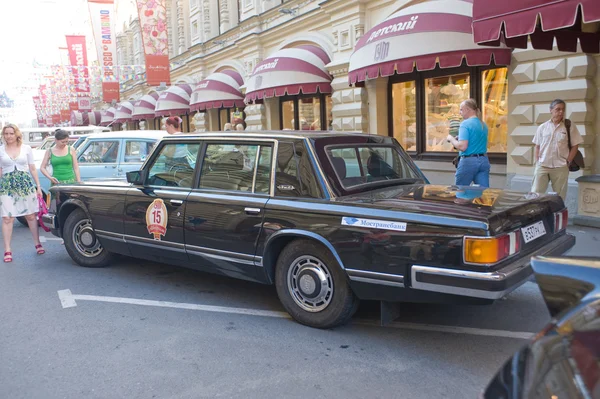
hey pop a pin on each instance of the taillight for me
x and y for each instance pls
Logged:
(490, 250)
(561, 219)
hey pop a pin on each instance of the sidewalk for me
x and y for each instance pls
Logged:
(588, 241)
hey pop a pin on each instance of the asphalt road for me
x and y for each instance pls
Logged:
(147, 330)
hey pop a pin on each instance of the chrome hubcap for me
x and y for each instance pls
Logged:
(310, 283)
(85, 240)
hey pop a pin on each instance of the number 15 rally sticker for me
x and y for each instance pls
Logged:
(156, 218)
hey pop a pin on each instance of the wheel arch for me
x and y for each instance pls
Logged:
(66, 209)
(280, 240)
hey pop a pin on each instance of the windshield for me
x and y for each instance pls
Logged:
(47, 144)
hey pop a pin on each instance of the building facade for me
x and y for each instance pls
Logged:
(212, 42)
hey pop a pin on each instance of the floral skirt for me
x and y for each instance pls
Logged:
(17, 195)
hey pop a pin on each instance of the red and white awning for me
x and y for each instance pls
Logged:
(123, 112)
(79, 118)
(422, 36)
(540, 20)
(145, 107)
(218, 90)
(290, 71)
(108, 116)
(174, 101)
(95, 118)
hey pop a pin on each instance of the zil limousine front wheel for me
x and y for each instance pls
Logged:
(312, 286)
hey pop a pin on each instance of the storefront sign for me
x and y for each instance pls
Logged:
(103, 24)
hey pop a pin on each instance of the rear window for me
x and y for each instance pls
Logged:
(359, 165)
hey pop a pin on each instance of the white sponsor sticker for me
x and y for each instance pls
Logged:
(373, 224)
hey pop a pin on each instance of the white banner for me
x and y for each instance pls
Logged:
(102, 15)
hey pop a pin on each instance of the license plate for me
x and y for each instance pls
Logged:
(533, 231)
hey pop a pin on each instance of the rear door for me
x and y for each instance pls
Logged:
(99, 158)
(154, 213)
(225, 211)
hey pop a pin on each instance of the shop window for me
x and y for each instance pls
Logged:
(405, 114)
(306, 112)
(425, 109)
(230, 115)
(443, 96)
(495, 107)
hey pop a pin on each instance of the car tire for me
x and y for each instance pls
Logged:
(81, 242)
(312, 286)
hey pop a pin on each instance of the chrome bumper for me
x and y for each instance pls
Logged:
(49, 220)
(487, 285)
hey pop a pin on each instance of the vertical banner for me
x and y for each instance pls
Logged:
(103, 23)
(79, 64)
(153, 21)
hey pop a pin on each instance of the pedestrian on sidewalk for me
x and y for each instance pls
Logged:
(552, 154)
(473, 163)
(63, 158)
(18, 193)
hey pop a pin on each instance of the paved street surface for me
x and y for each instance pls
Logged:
(146, 330)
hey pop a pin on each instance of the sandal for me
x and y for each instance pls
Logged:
(7, 257)
(39, 249)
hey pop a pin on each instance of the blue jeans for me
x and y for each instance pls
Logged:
(473, 170)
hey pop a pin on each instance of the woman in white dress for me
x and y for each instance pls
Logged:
(18, 193)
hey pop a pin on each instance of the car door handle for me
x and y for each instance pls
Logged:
(252, 211)
(176, 202)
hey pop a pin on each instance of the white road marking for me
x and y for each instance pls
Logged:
(44, 239)
(67, 299)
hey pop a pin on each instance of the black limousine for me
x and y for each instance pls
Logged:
(329, 218)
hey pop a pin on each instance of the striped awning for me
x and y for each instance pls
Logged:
(422, 36)
(123, 112)
(542, 21)
(79, 118)
(108, 117)
(174, 101)
(144, 108)
(95, 118)
(218, 90)
(290, 71)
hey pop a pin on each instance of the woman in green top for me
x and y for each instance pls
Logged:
(63, 159)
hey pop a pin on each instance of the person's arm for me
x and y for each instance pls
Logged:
(460, 145)
(572, 154)
(537, 153)
(44, 166)
(75, 165)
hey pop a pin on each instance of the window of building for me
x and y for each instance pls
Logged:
(425, 108)
(195, 28)
(306, 112)
(230, 115)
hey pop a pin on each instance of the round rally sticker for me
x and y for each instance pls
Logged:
(156, 218)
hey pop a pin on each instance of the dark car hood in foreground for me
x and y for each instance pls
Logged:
(563, 360)
(502, 209)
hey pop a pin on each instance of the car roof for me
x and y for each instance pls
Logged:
(128, 134)
(293, 134)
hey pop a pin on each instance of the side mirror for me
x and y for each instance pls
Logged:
(137, 177)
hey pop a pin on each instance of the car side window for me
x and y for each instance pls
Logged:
(294, 175)
(100, 151)
(174, 166)
(137, 151)
(233, 166)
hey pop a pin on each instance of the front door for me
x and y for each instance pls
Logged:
(100, 158)
(225, 212)
(154, 213)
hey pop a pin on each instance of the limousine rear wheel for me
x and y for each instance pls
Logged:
(312, 286)
(81, 241)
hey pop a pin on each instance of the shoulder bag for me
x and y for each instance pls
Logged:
(577, 162)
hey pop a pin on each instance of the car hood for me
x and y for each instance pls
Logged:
(501, 209)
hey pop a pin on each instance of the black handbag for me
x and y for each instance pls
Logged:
(577, 162)
(455, 161)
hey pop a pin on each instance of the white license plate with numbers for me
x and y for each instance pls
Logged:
(533, 231)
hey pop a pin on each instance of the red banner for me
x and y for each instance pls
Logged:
(79, 62)
(65, 115)
(153, 21)
(110, 91)
(73, 106)
(56, 119)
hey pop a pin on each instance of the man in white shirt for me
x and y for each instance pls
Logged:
(552, 154)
